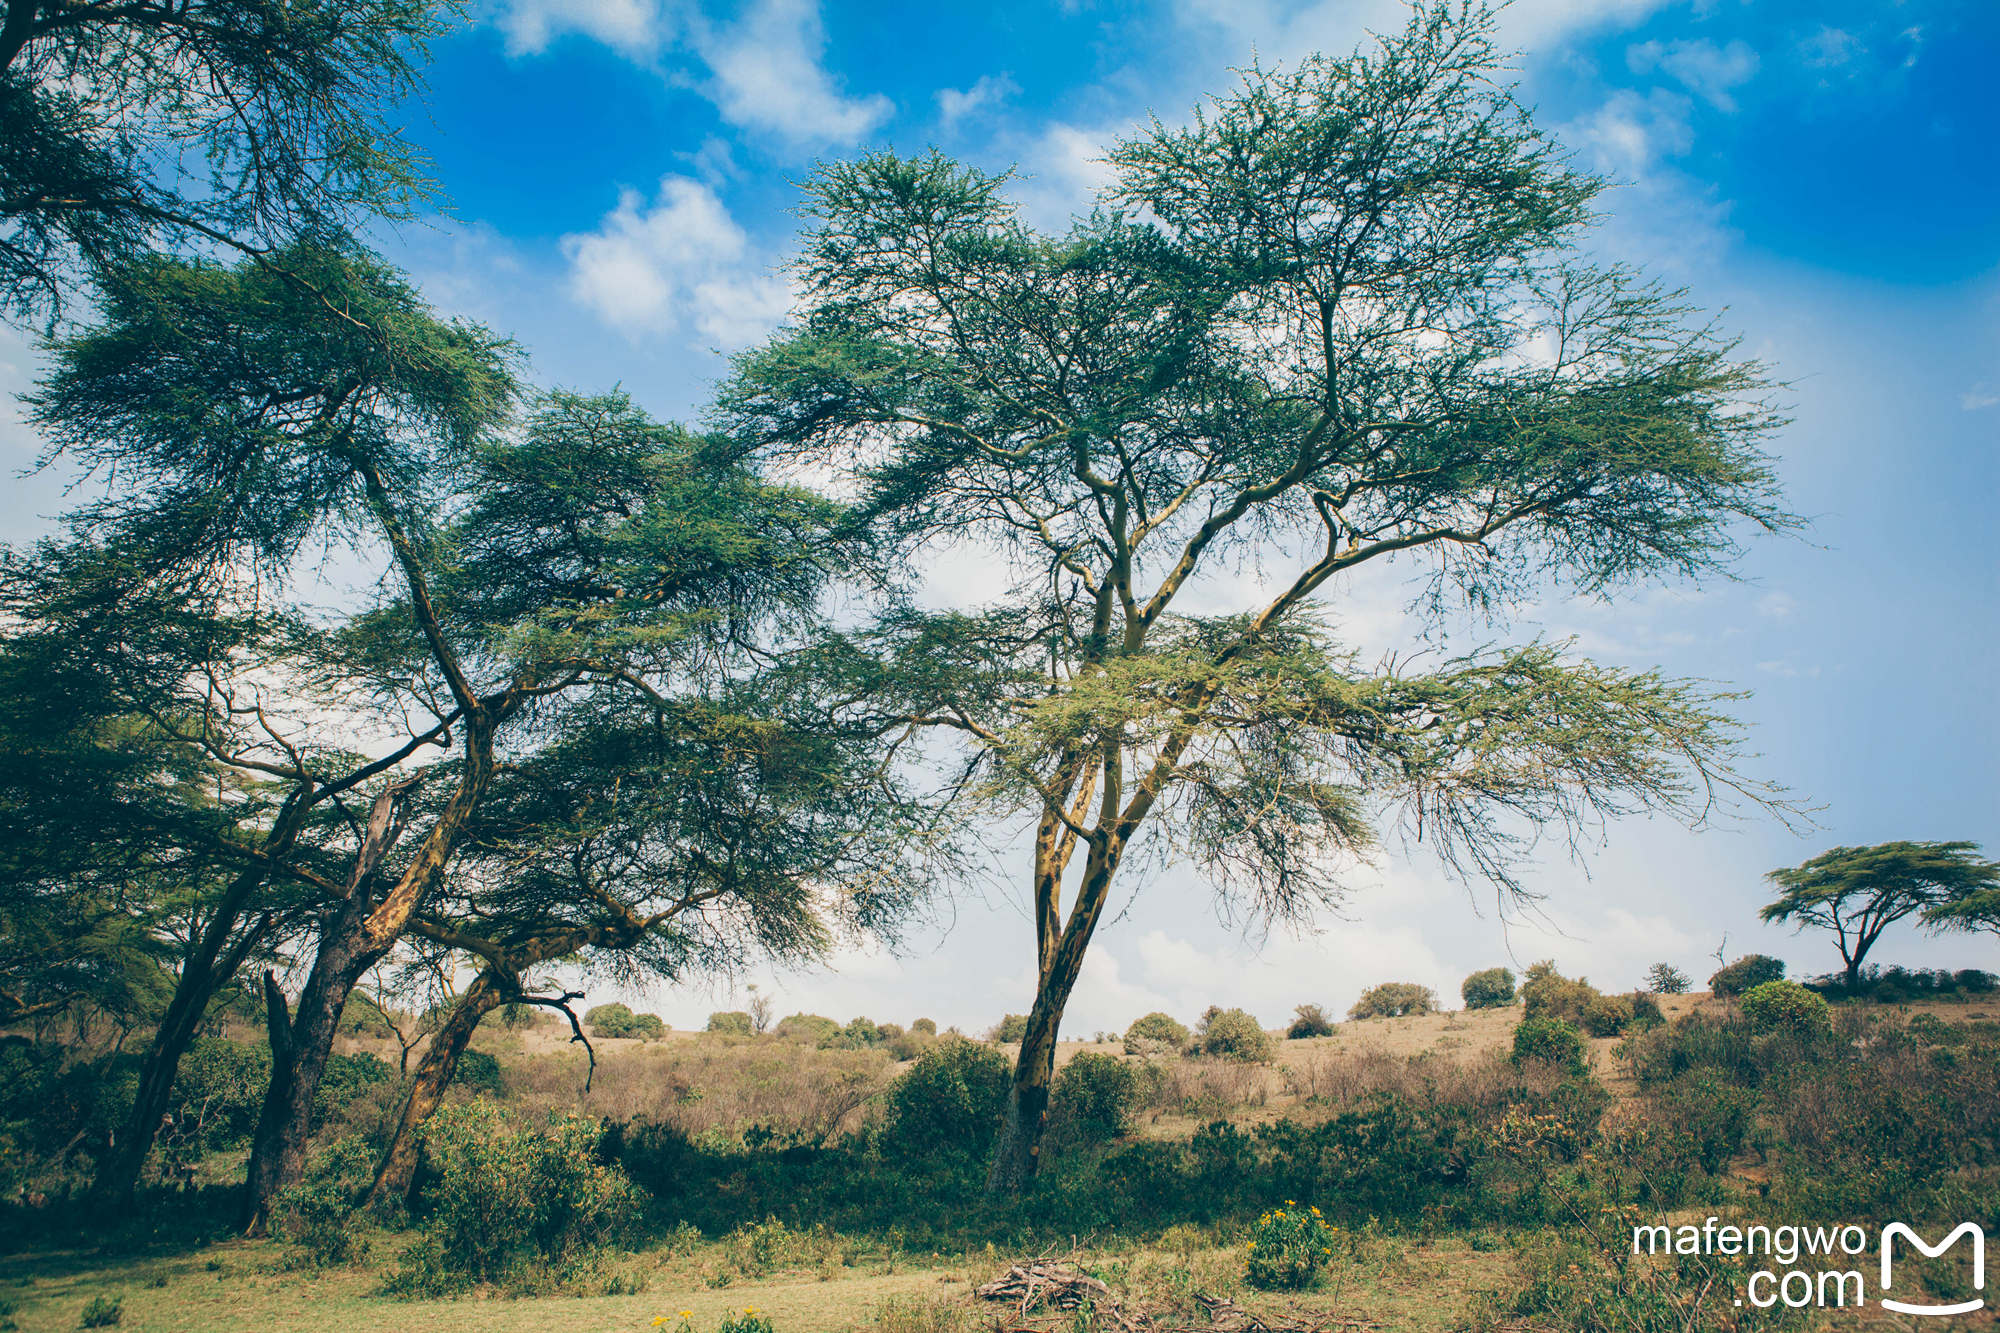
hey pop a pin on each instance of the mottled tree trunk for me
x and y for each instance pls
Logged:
(434, 1072)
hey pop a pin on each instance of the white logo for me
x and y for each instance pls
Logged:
(1972, 1229)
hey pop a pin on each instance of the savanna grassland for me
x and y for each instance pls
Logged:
(1457, 1184)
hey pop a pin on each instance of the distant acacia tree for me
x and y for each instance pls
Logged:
(1342, 316)
(1859, 892)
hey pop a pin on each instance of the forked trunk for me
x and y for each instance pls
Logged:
(434, 1072)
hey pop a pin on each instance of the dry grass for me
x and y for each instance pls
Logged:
(716, 1084)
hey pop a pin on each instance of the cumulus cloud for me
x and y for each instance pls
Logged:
(679, 262)
(1705, 69)
(991, 90)
(634, 28)
(767, 76)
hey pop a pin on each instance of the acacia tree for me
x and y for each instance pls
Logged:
(1859, 892)
(1340, 317)
(239, 122)
(246, 420)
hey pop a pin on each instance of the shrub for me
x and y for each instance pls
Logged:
(1786, 1004)
(863, 1032)
(508, 1197)
(909, 1045)
(102, 1313)
(1309, 1020)
(479, 1072)
(1549, 1040)
(1645, 1011)
(1607, 1015)
(1394, 999)
(815, 1029)
(1011, 1028)
(1231, 1034)
(734, 1023)
(317, 1216)
(890, 1032)
(1547, 993)
(1155, 1034)
(1747, 972)
(1095, 1095)
(927, 1026)
(1491, 989)
(608, 1020)
(1287, 1247)
(951, 1099)
(1666, 979)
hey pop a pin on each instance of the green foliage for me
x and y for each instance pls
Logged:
(1750, 970)
(608, 1020)
(1858, 892)
(480, 1072)
(1646, 1011)
(1095, 1096)
(1155, 1034)
(510, 1196)
(1785, 1004)
(926, 1026)
(1666, 979)
(950, 1101)
(1547, 993)
(1394, 999)
(863, 1032)
(734, 1023)
(1231, 1034)
(746, 1320)
(1309, 1020)
(316, 1217)
(1490, 989)
(814, 1029)
(1551, 1041)
(1608, 1015)
(615, 1020)
(102, 1312)
(1288, 1246)
(1011, 1028)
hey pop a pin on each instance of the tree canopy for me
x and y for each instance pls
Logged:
(1339, 318)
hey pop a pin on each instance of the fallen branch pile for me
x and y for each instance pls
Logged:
(1058, 1286)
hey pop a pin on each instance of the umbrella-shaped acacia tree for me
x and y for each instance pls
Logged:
(1341, 316)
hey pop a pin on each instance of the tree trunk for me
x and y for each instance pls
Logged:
(1018, 1155)
(202, 975)
(434, 1071)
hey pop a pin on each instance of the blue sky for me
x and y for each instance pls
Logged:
(1826, 175)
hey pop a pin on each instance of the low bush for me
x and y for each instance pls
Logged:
(1785, 1004)
(1666, 979)
(102, 1312)
(927, 1026)
(1155, 1034)
(813, 1029)
(1309, 1020)
(1607, 1015)
(316, 1216)
(1750, 970)
(1231, 1034)
(1394, 999)
(1094, 1097)
(1547, 993)
(508, 1197)
(950, 1101)
(1551, 1041)
(863, 1032)
(1010, 1028)
(1288, 1246)
(1645, 1011)
(733, 1023)
(1490, 989)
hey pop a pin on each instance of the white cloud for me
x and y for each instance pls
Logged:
(1977, 397)
(768, 77)
(681, 262)
(1630, 134)
(990, 90)
(1788, 669)
(1829, 47)
(1704, 68)
(1777, 605)
(636, 29)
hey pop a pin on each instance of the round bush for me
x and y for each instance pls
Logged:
(1547, 993)
(609, 1020)
(1394, 999)
(1550, 1040)
(927, 1026)
(863, 1032)
(1155, 1034)
(735, 1023)
(1607, 1015)
(1095, 1095)
(1786, 1004)
(1309, 1020)
(1287, 1247)
(1010, 1028)
(1491, 989)
(951, 1099)
(1231, 1034)
(1745, 973)
(1645, 1011)
(813, 1029)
